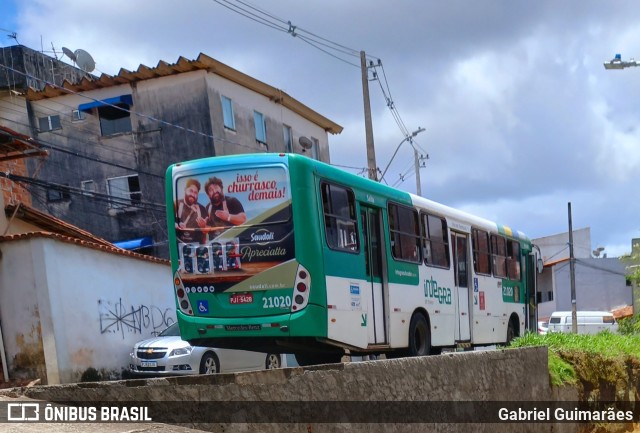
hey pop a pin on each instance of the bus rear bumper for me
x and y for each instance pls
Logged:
(229, 332)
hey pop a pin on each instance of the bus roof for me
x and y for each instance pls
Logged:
(356, 181)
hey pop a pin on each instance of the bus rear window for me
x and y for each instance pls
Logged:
(207, 204)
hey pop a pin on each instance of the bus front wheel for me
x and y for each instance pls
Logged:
(419, 336)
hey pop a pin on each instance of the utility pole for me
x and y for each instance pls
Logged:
(371, 151)
(572, 268)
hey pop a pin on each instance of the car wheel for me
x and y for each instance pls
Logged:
(209, 364)
(273, 361)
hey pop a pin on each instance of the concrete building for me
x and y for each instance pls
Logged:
(69, 300)
(110, 139)
(600, 282)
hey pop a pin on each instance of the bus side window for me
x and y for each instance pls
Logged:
(499, 255)
(338, 206)
(435, 241)
(481, 252)
(404, 233)
(513, 260)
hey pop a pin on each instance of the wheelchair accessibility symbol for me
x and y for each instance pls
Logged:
(203, 306)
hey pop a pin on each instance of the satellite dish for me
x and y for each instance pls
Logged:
(84, 60)
(305, 143)
(69, 53)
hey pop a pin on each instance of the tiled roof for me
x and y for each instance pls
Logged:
(55, 228)
(51, 224)
(14, 145)
(84, 243)
(555, 262)
(203, 62)
(622, 312)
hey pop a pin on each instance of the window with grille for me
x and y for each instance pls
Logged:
(114, 119)
(124, 191)
(49, 123)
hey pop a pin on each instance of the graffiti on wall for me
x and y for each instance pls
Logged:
(121, 318)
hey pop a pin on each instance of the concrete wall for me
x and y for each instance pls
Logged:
(600, 282)
(65, 308)
(245, 102)
(556, 247)
(600, 285)
(503, 376)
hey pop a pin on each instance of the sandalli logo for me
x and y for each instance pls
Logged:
(262, 236)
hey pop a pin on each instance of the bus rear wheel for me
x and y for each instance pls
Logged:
(419, 336)
(512, 331)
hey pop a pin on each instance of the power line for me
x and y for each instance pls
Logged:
(75, 126)
(107, 198)
(46, 144)
(270, 20)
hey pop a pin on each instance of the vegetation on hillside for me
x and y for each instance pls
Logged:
(589, 358)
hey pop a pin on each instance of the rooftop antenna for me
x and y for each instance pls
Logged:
(84, 60)
(67, 52)
(81, 59)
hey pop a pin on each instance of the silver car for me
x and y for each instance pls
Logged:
(168, 354)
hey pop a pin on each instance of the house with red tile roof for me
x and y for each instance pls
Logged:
(71, 301)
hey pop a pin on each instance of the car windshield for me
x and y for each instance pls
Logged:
(171, 331)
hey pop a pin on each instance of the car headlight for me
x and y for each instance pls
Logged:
(182, 351)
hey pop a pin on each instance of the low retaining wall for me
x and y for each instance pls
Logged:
(453, 392)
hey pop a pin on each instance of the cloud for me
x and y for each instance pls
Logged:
(520, 117)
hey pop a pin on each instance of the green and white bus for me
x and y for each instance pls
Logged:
(296, 256)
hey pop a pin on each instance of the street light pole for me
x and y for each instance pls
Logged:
(407, 138)
(416, 157)
(618, 63)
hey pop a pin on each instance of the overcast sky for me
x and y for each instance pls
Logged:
(520, 115)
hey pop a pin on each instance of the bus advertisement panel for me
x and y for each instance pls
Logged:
(231, 225)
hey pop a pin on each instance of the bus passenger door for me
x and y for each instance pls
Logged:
(459, 242)
(372, 248)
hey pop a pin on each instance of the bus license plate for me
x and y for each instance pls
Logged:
(246, 298)
(148, 364)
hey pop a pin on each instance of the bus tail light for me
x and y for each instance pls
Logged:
(301, 289)
(183, 299)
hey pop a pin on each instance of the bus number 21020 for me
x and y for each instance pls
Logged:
(276, 302)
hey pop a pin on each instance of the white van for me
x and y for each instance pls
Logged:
(589, 322)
